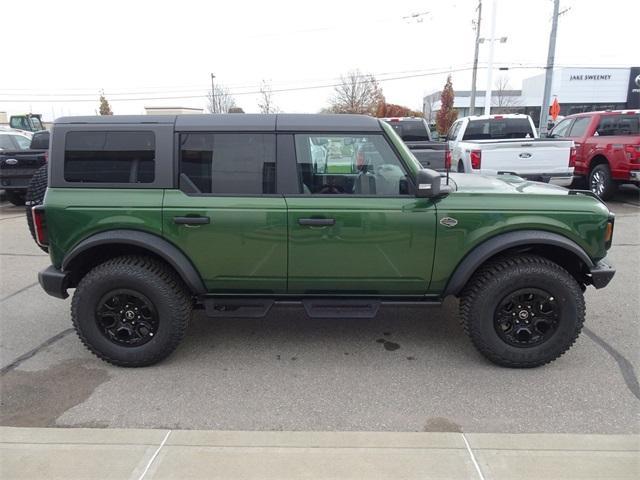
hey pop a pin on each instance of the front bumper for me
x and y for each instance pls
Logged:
(54, 282)
(601, 273)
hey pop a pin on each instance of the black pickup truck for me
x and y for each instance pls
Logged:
(415, 133)
(18, 166)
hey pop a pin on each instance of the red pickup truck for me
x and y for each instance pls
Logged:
(607, 148)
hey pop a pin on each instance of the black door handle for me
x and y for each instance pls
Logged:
(195, 220)
(317, 222)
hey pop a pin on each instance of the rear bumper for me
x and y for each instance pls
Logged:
(601, 273)
(560, 179)
(54, 282)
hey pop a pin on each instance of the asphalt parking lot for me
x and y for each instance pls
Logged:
(409, 369)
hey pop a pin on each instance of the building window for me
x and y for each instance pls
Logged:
(109, 157)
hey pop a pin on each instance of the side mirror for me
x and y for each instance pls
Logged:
(430, 184)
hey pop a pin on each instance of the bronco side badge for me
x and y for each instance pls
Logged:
(448, 221)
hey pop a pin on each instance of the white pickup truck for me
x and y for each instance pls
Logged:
(509, 144)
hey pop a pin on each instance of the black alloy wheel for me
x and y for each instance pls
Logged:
(527, 317)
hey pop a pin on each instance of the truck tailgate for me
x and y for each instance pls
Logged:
(526, 157)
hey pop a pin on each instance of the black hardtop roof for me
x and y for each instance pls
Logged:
(282, 122)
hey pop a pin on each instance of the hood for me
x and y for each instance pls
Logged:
(472, 183)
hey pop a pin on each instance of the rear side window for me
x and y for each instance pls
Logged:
(228, 163)
(109, 157)
(619, 125)
(579, 127)
(496, 128)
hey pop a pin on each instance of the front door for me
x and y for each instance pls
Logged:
(226, 215)
(356, 227)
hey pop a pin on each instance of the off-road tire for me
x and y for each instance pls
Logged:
(602, 171)
(502, 276)
(15, 198)
(35, 196)
(153, 279)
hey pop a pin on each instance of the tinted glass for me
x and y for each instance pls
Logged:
(109, 157)
(619, 125)
(579, 127)
(411, 130)
(229, 163)
(40, 141)
(349, 164)
(495, 128)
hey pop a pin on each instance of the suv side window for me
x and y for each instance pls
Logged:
(618, 125)
(228, 163)
(349, 164)
(109, 157)
(579, 127)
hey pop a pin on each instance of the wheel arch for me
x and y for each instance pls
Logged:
(598, 159)
(553, 246)
(102, 246)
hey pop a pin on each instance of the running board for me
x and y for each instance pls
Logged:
(247, 307)
(338, 308)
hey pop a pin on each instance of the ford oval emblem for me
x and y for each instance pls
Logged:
(525, 155)
(11, 161)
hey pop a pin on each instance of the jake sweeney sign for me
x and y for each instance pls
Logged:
(590, 76)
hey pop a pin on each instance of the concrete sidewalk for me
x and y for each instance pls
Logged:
(58, 453)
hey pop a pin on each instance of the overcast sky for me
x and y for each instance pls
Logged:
(57, 51)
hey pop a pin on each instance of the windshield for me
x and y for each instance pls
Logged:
(23, 142)
(407, 156)
(497, 128)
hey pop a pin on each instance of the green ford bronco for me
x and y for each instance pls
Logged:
(150, 217)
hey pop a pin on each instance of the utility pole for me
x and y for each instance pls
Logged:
(487, 94)
(213, 95)
(544, 110)
(474, 75)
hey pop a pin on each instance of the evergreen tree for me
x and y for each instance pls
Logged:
(105, 108)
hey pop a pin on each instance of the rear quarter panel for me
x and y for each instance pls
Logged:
(482, 216)
(73, 214)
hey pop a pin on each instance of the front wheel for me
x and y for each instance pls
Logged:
(131, 311)
(522, 311)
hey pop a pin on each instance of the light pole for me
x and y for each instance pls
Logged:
(472, 103)
(548, 76)
(213, 95)
(493, 39)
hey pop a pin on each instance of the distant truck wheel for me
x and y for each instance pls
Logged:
(601, 183)
(35, 196)
(15, 198)
(131, 311)
(460, 167)
(522, 311)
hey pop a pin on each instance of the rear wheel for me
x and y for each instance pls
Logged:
(522, 311)
(601, 183)
(131, 311)
(35, 196)
(15, 198)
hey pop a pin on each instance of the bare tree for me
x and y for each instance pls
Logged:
(503, 95)
(356, 93)
(266, 104)
(220, 100)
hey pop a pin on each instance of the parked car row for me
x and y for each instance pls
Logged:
(594, 150)
(20, 157)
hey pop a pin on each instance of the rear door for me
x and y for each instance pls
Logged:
(226, 215)
(356, 227)
(619, 138)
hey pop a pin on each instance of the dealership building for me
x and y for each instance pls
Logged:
(577, 90)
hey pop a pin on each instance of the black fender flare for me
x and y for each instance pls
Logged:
(147, 241)
(505, 241)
